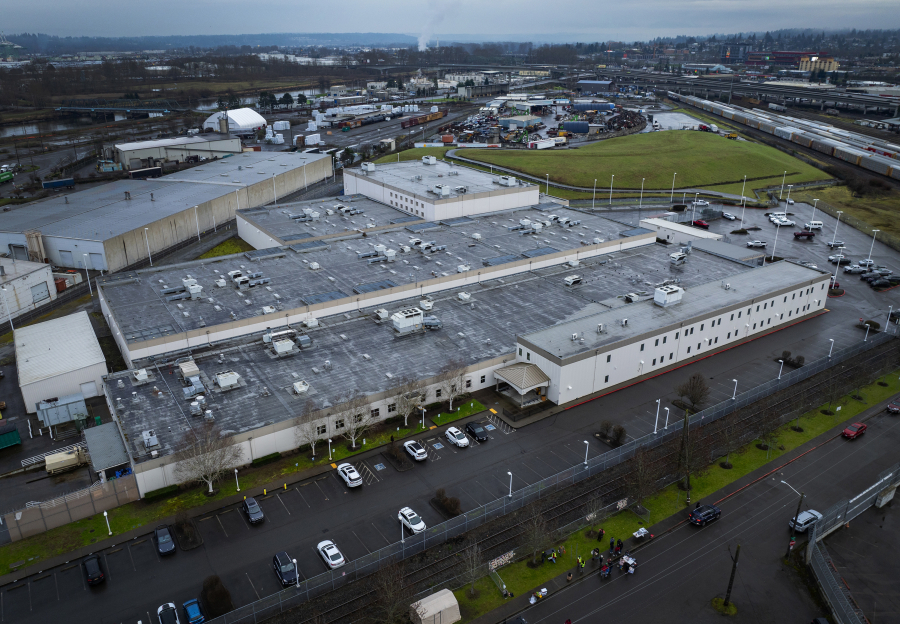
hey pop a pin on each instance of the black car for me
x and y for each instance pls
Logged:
(165, 545)
(253, 510)
(477, 431)
(285, 568)
(92, 571)
(703, 514)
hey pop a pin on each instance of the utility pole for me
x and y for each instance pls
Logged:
(737, 554)
(687, 465)
(787, 555)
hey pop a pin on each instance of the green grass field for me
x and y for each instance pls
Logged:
(415, 153)
(701, 160)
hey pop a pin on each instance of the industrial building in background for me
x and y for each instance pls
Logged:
(240, 121)
(24, 286)
(163, 152)
(110, 227)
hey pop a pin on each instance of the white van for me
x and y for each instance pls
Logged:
(813, 225)
(777, 215)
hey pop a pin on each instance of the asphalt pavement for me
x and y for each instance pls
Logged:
(684, 568)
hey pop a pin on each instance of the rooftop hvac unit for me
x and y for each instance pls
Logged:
(188, 369)
(382, 314)
(599, 328)
(426, 304)
(195, 290)
(441, 189)
(631, 297)
(284, 345)
(379, 249)
(311, 322)
(404, 249)
(390, 254)
(407, 320)
(188, 281)
(624, 322)
(228, 380)
(525, 222)
(429, 160)
(476, 236)
(462, 190)
(150, 439)
(462, 268)
(677, 258)
(574, 263)
(507, 181)
(220, 283)
(140, 375)
(464, 296)
(572, 280)
(242, 282)
(314, 266)
(665, 296)
(537, 226)
(268, 309)
(304, 341)
(300, 387)
(196, 410)
(368, 166)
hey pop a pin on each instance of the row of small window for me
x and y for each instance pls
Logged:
(406, 199)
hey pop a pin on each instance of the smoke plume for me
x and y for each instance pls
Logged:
(436, 12)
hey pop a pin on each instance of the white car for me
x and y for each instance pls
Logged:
(785, 223)
(756, 243)
(790, 202)
(456, 437)
(349, 474)
(411, 520)
(805, 520)
(834, 244)
(168, 614)
(866, 262)
(416, 450)
(729, 216)
(701, 202)
(330, 554)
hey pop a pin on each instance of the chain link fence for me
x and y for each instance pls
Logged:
(354, 570)
(843, 606)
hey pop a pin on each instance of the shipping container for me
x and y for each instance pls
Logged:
(578, 127)
(64, 183)
(9, 436)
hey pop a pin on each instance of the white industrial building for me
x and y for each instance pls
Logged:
(59, 358)
(116, 225)
(241, 121)
(436, 190)
(154, 153)
(677, 233)
(26, 286)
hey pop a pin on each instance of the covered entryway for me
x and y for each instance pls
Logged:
(526, 380)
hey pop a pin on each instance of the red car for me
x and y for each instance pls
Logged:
(701, 224)
(854, 431)
(804, 234)
(894, 407)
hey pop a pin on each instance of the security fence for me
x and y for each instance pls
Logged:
(355, 570)
(843, 607)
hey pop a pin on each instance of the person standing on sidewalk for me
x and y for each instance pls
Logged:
(612, 545)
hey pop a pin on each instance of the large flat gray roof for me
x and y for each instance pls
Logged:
(645, 316)
(404, 176)
(140, 308)
(102, 212)
(481, 329)
(105, 445)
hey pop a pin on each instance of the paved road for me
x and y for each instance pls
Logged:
(681, 571)
(365, 520)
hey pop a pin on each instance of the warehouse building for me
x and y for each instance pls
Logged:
(436, 190)
(155, 153)
(240, 121)
(677, 233)
(116, 225)
(256, 386)
(59, 358)
(25, 286)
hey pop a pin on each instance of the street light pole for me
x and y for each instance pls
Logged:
(329, 449)
(510, 484)
(594, 199)
(790, 186)
(734, 394)
(87, 275)
(777, 227)
(641, 202)
(868, 327)
(667, 418)
(780, 368)
(587, 447)
(297, 573)
(744, 186)
(656, 422)
(815, 203)
(836, 225)
(887, 322)
(237, 483)
(831, 348)
(147, 239)
(672, 194)
(794, 523)
(548, 184)
(840, 256)
(782, 185)
(872, 248)
(197, 220)
(106, 517)
(610, 188)
(743, 208)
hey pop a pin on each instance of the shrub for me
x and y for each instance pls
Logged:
(266, 459)
(873, 324)
(786, 356)
(450, 504)
(215, 597)
(799, 361)
(605, 427)
(618, 434)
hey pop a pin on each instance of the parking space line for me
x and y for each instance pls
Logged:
(301, 497)
(30, 608)
(487, 490)
(380, 533)
(368, 476)
(222, 526)
(361, 542)
(282, 504)
(545, 463)
(540, 476)
(108, 574)
(321, 490)
(56, 582)
(252, 585)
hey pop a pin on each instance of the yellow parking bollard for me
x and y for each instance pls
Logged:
(285, 486)
(264, 491)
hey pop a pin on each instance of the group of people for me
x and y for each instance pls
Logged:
(615, 547)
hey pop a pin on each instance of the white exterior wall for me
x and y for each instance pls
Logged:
(63, 385)
(259, 324)
(280, 437)
(18, 295)
(677, 232)
(571, 381)
(254, 235)
(96, 260)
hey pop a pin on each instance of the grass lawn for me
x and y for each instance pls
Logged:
(519, 578)
(415, 153)
(89, 530)
(879, 210)
(701, 159)
(462, 410)
(233, 245)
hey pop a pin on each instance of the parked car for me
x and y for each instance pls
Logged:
(854, 431)
(253, 510)
(836, 243)
(165, 545)
(729, 216)
(866, 262)
(168, 614)
(756, 243)
(805, 520)
(701, 202)
(854, 269)
(703, 514)
(349, 474)
(416, 450)
(411, 520)
(330, 554)
(805, 234)
(456, 437)
(93, 573)
(700, 223)
(192, 612)
(790, 202)
(477, 431)
(785, 223)
(285, 569)
(894, 406)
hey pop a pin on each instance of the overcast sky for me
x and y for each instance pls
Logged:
(501, 19)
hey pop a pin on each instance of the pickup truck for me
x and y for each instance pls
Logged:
(756, 243)
(804, 234)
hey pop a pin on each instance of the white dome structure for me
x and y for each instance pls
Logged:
(240, 121)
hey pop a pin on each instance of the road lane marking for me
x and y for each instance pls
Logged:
(252, 585)
(222, 526)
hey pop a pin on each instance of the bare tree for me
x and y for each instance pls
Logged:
(408, 393)
(452, 380)
(204, 454)
(593, 511)
(473, 564)
(357, 417)
(393, 596)
(535, 533)
(695, 390)
(641, 481)
(306, 427)
(730, 435)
